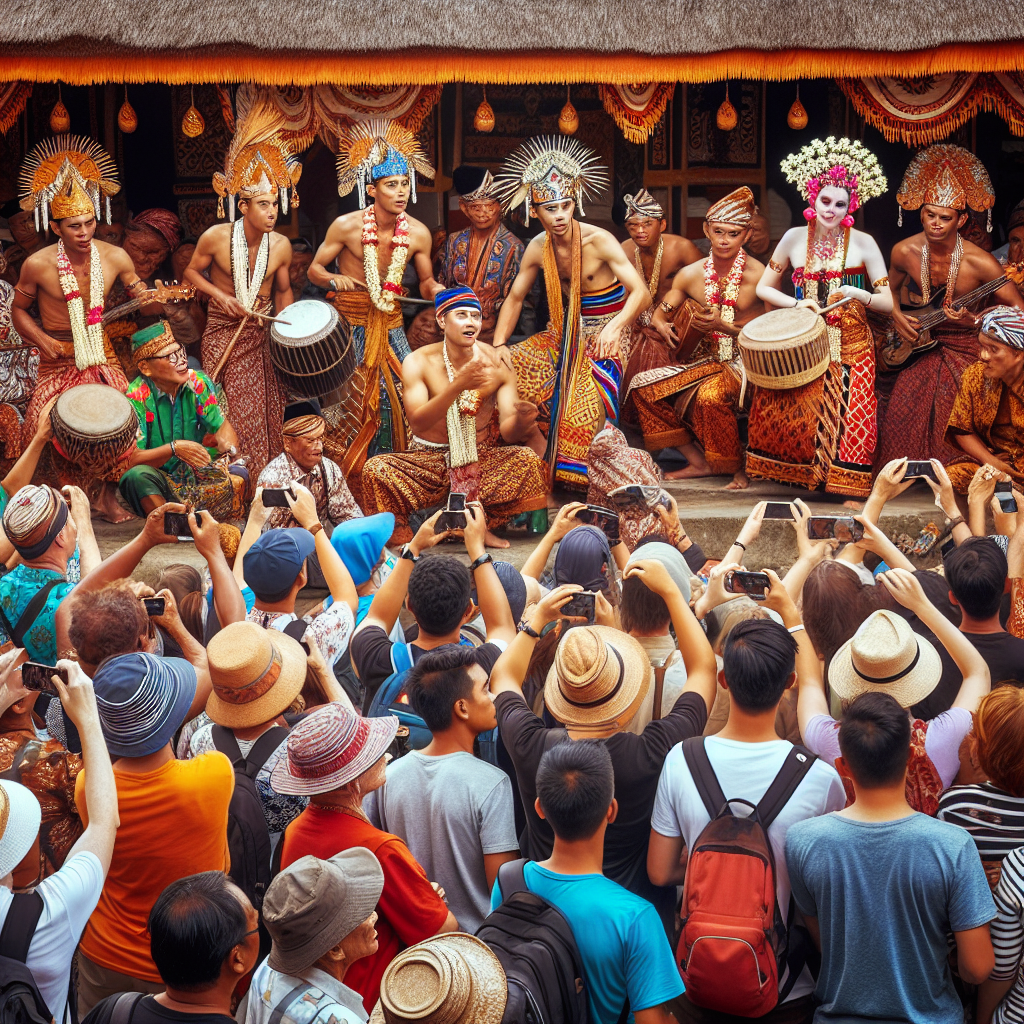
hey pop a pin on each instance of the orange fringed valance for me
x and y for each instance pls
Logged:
(13, 97)
(429, 68)
(636, 109)
(920, 111)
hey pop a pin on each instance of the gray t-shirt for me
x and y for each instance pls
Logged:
(449, 811)
(886, 894)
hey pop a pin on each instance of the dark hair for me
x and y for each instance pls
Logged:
(180, 579)
(106, 622)
(641, 608)
(190, 611)
(874, 738)
(976, 573)
(653, 538)
(834, 605)
(439, 592)
(758, 658)
(193, 926)
(437, 681)
(575, 787)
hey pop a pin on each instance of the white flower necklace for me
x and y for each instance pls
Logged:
(460, 420)
(382, 295)
(652, 285)
(724, 295)
(86, 328)
(247, 288)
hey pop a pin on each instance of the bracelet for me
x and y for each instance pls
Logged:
(174, 454)
(530, 631)
(667, 307)
(954, 523)
(739, 544)
(407, 553)
(482, 560)
(796, 628)
(316, 528)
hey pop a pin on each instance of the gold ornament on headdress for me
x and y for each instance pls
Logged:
(548, 169)
(126, 119)
(568, 119)
(735, 208)
(380, 148)
(948, 176)
(483, 119)
(67, 173)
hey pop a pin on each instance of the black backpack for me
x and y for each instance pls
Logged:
(20, 1000)
(248, 836)
(535, 945)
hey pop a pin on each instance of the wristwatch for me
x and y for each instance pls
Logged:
(530, 631)
(482, 560)
(407, 553)
(316, 528)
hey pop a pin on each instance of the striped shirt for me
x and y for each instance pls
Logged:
(994, 818)
(1008, 937)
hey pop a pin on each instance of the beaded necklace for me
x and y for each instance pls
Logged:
(954, 268)
(652, 284)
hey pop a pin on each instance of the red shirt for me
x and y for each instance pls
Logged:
(409, 910)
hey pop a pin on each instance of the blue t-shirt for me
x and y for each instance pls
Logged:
(620, 938)
(886, 894)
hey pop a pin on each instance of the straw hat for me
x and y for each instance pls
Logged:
(256, 674)
(20, 815)
(448, 979)
(599, 678)
(885, 656)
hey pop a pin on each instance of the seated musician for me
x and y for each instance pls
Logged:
(692, 406)
(182, 429)
(987, 422)
(458, 396)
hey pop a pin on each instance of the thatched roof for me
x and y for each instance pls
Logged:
(447, 38)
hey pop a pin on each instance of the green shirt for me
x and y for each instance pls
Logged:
(192, 414)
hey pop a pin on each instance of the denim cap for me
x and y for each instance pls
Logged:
(272, 564)
(581, 553)
(513, 584)
(360, 541)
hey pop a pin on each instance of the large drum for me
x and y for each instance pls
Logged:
(95, 428)
(313, 352)
(785, 348)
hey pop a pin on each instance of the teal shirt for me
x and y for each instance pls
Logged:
(192, 414)
(17, 588)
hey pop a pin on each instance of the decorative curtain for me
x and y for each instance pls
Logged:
(636, 108)
(13, 97)
(923, 110)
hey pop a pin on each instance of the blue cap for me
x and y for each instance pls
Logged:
(392, 165)
(513, 584)
(142, 700)
(272, 564)
(360, 541)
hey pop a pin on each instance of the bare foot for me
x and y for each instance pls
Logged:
(740, 481)
(106, 507)
(490, 541)
(855, 505)
(689, 472)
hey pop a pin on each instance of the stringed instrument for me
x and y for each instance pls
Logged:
(897, 353)
(166, 293)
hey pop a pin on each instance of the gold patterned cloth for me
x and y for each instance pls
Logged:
(992, 410)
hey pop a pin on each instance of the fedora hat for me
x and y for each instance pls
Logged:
(448, 979)
(599, 678)
(256, 674)
(885, 656)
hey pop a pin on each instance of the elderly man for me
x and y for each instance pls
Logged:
(987, 421)
(179, 415)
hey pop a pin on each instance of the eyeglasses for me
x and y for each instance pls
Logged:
(178, 357)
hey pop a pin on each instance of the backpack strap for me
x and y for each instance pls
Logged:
(512, 878)
(224, 740)
(20, 925)
(797, 764)
(289, 997)
(704, 777)
(401, 657)
(124, 1007)
(659, 689)
(227, 743)
(28, 616)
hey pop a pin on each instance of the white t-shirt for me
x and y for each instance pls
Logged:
(69, 898)
(745, 771)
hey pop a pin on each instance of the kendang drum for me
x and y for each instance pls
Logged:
(313, 352)
(785, 348)
(95, 427)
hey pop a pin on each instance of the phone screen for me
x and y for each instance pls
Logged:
(754, 584)
(778, 510)
(176, 525)
(919, 470)
(456, 502)
(584, 604)
(36, 677)
(154, 605)
(274, 497)
(1004, 494)
(842, 528)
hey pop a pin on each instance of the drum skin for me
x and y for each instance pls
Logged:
(784, 348)
(95, 427)
(313, 352)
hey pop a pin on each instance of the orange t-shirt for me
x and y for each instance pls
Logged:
(174, 822)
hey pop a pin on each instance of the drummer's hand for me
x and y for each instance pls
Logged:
(230, 305)
(153, 532)
(192, 453)
(849, 291)
(78, 504)
(666, 330)
(348, 284)
(808, 304)
(50, 347)
(609, 344)
(303, 505)
(44, 428)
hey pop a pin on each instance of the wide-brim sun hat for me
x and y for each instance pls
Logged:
(885, 656)
(20, 817)
(330, 748)
(598, 679)
(257, 673)
(447, 979)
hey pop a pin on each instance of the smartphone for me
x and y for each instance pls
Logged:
(639, 497)
(274, 497)
(176, 525)
(843, 528)
(778, 510)
(604, 519)
(36, 677)
(582, 604)
(1004, 495)
(753, 584)
(154, 605)
(947, 548)
(454, 515)
(918, 470)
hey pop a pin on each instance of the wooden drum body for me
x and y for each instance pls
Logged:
(95, 427)
(313, 353)
(785, 348)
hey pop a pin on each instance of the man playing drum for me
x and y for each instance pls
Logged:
(460, 396)
(247, 262)
(372, 246)
(693, 407)
(182, 429)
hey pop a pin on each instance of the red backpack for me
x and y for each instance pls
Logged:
(734, 944)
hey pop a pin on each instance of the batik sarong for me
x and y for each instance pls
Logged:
(211, 487)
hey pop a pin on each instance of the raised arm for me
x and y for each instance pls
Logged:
(422, 244)
(564, 522)
(81, 512)
(21, 473)
(192, 650)
(258, 515)
(490, 595)
(336, 574)
(513, 304)
(880, 299)
(228, 602)
(329, 251)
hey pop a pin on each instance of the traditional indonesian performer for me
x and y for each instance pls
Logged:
(693, 406)
(572, 370)
(459, 396)
(822, 434)
(243, 267)
(184, 443)
(944, 275)
(987, 422)
(372, 245)
(68, 182)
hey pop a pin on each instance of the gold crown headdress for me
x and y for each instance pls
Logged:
(841, 163)
(375, 149)
(548, 169)
(948, 176)
(258, 162)
(67, 176)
